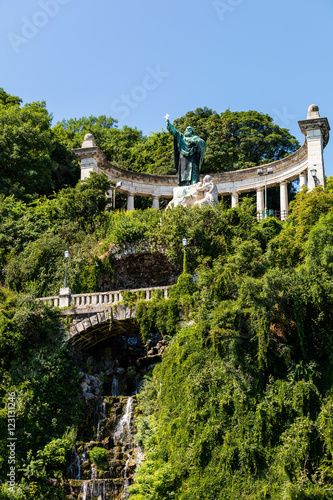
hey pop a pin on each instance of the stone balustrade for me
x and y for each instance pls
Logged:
(99, 299)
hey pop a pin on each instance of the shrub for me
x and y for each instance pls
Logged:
(100, 457)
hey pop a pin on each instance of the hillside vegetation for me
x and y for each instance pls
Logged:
(241, 405)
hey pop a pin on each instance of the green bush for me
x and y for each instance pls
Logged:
(100, 457)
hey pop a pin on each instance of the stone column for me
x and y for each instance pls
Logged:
(130, 201)
(302, 180)
(234, 199)
(315, 158)
(284, 200)
(90, 156)
(64, 297)
(260, 203)
(110, 195)
(156, 202)
(316, 130)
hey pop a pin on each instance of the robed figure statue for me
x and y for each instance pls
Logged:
(188, 154)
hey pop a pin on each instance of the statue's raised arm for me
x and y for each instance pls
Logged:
(188, 153)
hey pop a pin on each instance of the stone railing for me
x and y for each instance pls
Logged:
(84, 300)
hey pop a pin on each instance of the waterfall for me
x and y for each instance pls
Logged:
(126, 482)
(74, 469)
(123, 433)
(100, 489)
(115, 386)
(84, 456)
(123, 429)
(93, 472)
(93, 490)
(101, 420)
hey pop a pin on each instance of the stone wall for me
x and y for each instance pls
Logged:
(137, 266)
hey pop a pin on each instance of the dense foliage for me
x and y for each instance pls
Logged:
(235, 140)
(32, 160)
(240, 406)
(35, 368)
(36, 159)
(33, 238)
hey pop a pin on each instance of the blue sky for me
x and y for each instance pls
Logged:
(138, 60)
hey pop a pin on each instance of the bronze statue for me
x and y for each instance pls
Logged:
(188, 153)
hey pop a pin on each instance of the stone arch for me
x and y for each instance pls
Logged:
(90, 329)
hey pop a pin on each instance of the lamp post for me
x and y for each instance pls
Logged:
(184, 241)
(67, 254)
(314, 176)
(260, 172)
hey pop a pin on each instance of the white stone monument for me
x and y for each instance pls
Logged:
(202, 193)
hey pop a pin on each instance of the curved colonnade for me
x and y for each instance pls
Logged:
(306, 163)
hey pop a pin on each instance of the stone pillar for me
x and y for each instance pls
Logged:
(65, 297)
(156, 202)
(260, 203)
(316, 130)
(130, 201)
(315, 158)
(234, 199)
(302, 180)
(88, 164)
(110, 195)
(90, 156)
(284, 200)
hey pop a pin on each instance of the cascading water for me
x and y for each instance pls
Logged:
(123, 434)
(93, 490)
(74, 469)
(112, 482)
(115, 386)
(106, 425)
(123, 429)
(101, 420)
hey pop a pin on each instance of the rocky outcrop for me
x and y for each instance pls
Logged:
(138, 266)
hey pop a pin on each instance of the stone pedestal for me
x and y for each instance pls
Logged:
(65, 297)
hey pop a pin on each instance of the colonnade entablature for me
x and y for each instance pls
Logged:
(306, 163)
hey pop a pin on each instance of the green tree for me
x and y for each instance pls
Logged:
(234, 140)
(32, 160)
(25, 149)
(7, 99)
(238, 140)
(115, 143)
